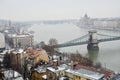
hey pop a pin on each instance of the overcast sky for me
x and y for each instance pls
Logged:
(27, 10)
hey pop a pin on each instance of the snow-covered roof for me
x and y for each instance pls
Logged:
(14, 52)
(64, 66)
(44, 77)
(1, 59)
(55, 60)
(62, 78)
(54, 70)
(21, 35)
(86, 73)
(4, 52)
(40, 69)
(55, 57)
(10, 73)
(20, 50)
(18, 78)
(6, 31)
(17, 51)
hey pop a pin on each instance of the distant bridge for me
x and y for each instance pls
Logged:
(92, 39)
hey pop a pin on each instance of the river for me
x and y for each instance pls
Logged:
(108, 54)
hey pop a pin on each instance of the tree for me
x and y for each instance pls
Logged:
(53, 45)
(42, 44)
(7, 60)
(53, 42)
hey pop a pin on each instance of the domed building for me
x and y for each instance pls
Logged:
(86, 21)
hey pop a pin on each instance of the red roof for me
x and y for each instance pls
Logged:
(106, 72)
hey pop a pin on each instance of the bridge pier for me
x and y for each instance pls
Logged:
(93, 42)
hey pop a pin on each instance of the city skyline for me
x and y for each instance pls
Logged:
(29, 10)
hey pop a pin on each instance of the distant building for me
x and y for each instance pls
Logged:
(105, 23)
(2, 41)
(99, 22)
(85, 21)
(22, 40)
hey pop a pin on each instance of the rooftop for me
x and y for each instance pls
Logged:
(40, 69)
(106, 72)
(19, 35)
(9, 74)
(54, 70)
(22, 35)
(63, 78)
(86, 73)
(44, 77)
(19, 51)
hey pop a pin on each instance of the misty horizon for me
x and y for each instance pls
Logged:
(34, 10)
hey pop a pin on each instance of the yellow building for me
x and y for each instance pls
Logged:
(38, 73)
(54, 73)
(38, 76)
(41, 55)
(75, 77)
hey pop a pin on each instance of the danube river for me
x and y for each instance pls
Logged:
(108, 54)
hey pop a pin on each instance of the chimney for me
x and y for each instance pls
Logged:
(55, 64)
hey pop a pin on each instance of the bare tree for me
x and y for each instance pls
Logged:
(42, 44)
(7, 60)
(79, 59)
(53, 45)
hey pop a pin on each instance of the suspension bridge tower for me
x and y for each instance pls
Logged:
(93, 41)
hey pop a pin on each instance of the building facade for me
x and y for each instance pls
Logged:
(2, 41)
(54, 73)
(99, 22)
(22, 40)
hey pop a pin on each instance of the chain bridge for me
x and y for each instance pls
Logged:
(92, 39)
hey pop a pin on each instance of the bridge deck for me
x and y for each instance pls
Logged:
(86, 42)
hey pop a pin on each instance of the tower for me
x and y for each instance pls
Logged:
(93, 42)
